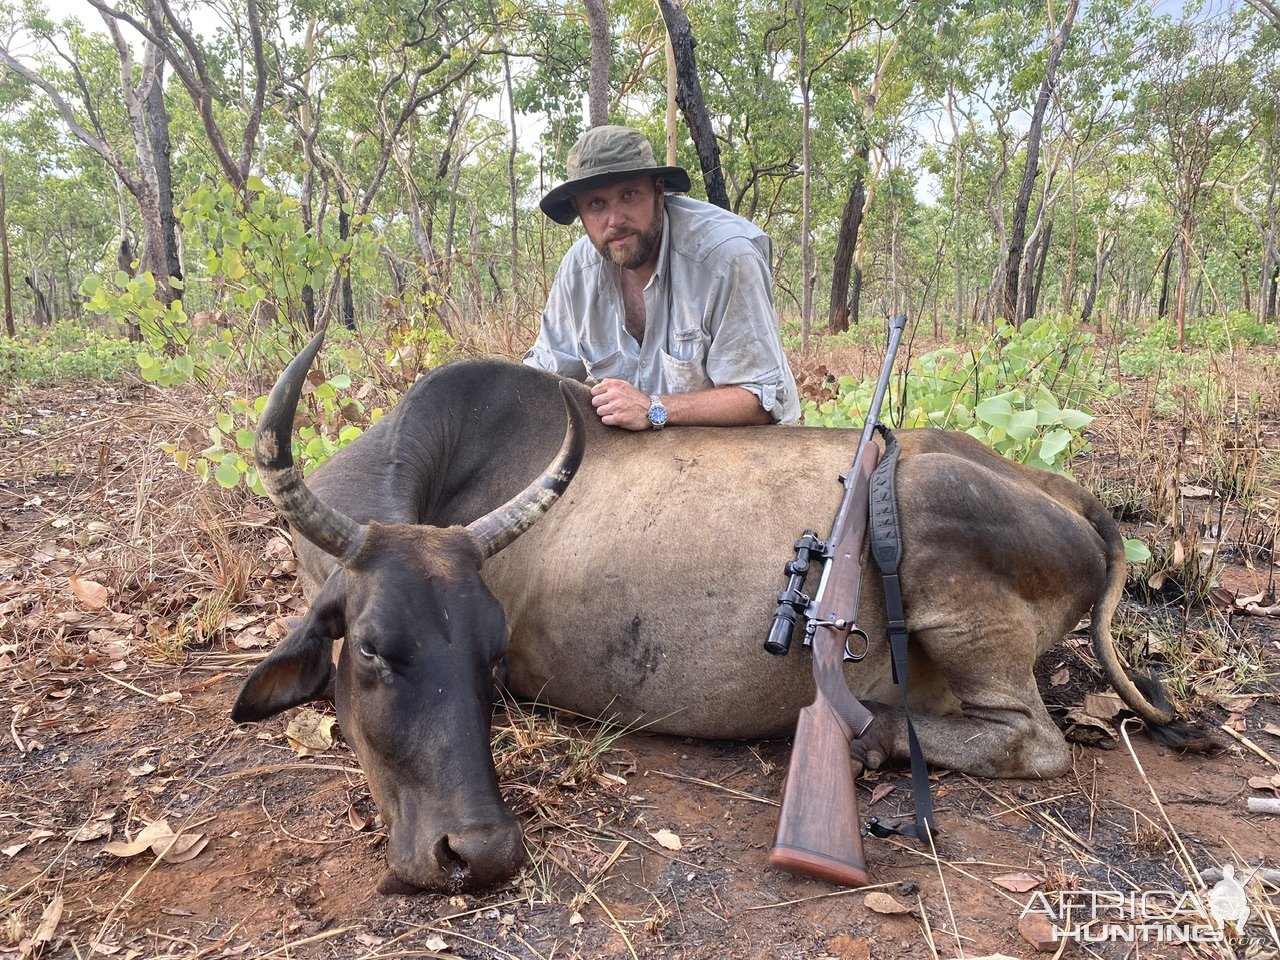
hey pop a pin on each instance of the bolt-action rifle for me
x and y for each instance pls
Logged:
(818, 829)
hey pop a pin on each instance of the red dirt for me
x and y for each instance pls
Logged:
(97, 738)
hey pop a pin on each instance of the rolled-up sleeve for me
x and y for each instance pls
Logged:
(745, 350)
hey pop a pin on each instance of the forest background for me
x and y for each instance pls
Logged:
(303, 159)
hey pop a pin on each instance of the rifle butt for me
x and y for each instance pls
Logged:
(818, 832)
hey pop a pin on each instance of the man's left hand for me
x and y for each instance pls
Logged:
(619, 404)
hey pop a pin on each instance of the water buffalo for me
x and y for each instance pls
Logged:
(645, 592)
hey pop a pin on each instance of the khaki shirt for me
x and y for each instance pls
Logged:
(709, 314)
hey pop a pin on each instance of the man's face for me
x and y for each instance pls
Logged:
(624, 220)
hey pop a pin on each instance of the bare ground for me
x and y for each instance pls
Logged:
(133, 601)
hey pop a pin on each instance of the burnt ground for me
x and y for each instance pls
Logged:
(133, 601)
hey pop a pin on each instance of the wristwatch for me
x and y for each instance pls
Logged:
(657, 412)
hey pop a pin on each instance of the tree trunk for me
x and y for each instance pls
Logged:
(1031, 169)
(44, 316)
(689, 97)
(807, 274)
(598, 78)
(1105, 250)
(1041, 258)
(158, 129)
(4, 262)
(1162, 307)
(344, 233)
(843, 308)
(1184, 279)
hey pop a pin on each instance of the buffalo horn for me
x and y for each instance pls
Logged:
(331, 531)
(500, 527)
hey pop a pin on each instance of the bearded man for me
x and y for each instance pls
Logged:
(665, 305)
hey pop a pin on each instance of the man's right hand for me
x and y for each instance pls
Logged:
(619, 404)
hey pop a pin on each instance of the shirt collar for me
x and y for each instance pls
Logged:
(664, 250)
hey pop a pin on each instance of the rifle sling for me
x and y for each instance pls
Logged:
(886, 547)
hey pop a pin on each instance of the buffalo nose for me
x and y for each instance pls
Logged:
(467, 857)
(478, 857)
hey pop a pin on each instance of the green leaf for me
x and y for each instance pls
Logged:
(994, 410)
(1022, 425)
(227, 475)
(1135, 551)
(1053, 444)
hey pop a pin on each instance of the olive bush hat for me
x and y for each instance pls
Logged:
(605, 155)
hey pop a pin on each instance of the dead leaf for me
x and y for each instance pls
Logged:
(1061, 678)
(575, 919)
(881, 791)
(359, 822)
(1192, 492)
(143, 769)
(49, 920)
(14, 850)
(667, 839)
(91, 594)
(1272, 729)
(436, 944)
(160, 840)
(885, 904)
(173, 696)
(1266, 783)
(310, 733)
(1084, 729)
(1018, 882)
(1103, 706)
(251, 639)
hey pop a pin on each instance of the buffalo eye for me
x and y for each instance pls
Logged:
(366, 650)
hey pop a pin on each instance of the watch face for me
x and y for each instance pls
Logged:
(657, 413)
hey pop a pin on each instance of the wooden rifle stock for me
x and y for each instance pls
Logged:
(818, 828)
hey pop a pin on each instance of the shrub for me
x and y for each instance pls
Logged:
(68, 350)
(1025, 393)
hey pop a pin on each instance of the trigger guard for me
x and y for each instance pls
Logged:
(849, 655)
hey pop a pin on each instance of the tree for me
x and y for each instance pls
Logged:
(1013, 260)
(689, 98)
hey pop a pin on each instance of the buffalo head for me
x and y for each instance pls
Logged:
(413, 678)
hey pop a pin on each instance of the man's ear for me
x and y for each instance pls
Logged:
(298, 669)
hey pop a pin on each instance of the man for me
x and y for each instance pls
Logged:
(665, 304)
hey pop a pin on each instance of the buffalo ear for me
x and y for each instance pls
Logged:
(298, 669)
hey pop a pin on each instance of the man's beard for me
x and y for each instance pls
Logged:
(643, 243)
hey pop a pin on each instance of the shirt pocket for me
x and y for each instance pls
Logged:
(685, 363)
(604, 366)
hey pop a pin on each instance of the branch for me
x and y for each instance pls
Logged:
(95, 144)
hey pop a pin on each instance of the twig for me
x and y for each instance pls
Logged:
(821, 896)
(1252, 746)
(1187, 864)
(716, 786)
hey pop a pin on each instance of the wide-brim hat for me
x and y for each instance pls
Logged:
(605, 155)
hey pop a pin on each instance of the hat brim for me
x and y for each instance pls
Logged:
(558, 205)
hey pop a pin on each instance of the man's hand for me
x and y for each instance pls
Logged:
(619, 404)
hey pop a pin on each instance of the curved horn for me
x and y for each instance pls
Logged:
(500, 527)
(333, 532)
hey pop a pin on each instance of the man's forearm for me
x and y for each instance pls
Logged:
(717, 407)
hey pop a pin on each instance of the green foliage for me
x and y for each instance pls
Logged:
(1024, 393)
(65, 351)
(258, 249)
(1220, 332)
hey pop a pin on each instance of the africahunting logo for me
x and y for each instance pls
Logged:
(1148, 916)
